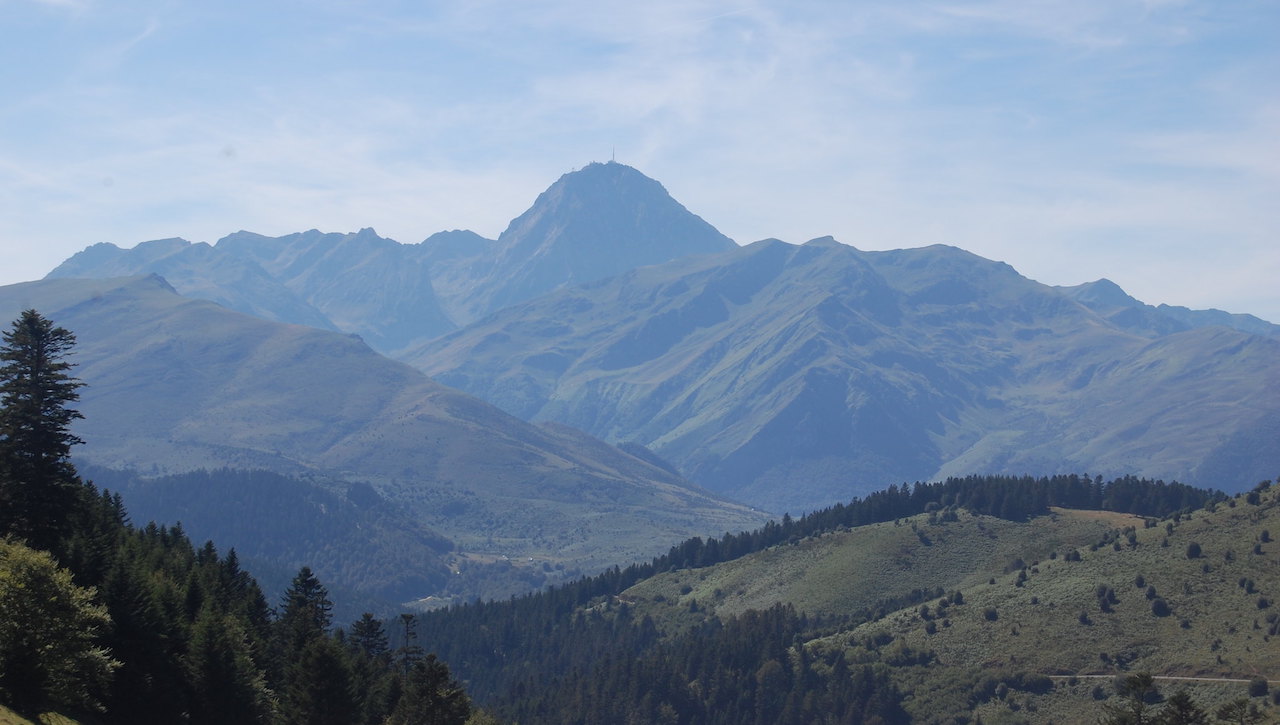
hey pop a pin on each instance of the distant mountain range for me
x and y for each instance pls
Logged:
(792, 376)
(591, 224)
(786, 376)
(175, 385)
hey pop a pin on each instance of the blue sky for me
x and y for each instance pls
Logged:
(1134, 140)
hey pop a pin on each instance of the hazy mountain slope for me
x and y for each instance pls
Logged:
(1107, 299)
(175, 384)
(374, 287)
(793, 376)
(200, 271)
(734, 367)
(1178, 407)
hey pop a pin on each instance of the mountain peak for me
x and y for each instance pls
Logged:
(596, 222)
(1104, 292)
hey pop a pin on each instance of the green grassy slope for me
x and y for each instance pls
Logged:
(1222, 623)
(1216, 627)
(846, 571)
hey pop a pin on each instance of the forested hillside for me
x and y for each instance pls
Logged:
(117, 623)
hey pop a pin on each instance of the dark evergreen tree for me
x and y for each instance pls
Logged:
(305, 613)
(321, 688)
(1239, 711)
(368, 636)
(431, 697)
(226, 684)
(39, 488)
(410, 652)
(1136, 693)
(1180, 709)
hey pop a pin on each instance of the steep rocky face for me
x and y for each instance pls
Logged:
(795, 376)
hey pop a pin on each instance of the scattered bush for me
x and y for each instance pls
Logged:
(1160, 607)
(1139, 581)
(1193, 550)
(990, 614)
(1258, 687)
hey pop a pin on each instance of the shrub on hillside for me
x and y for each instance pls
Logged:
(1160, 607)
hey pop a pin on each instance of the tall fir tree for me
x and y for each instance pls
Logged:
(305, 613)
(321, 687)
(39, 488)
(431, 697)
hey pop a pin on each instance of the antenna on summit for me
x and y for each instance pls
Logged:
(613, 155)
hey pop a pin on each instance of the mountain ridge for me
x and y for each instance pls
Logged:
(788, 375)
(864, 369)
